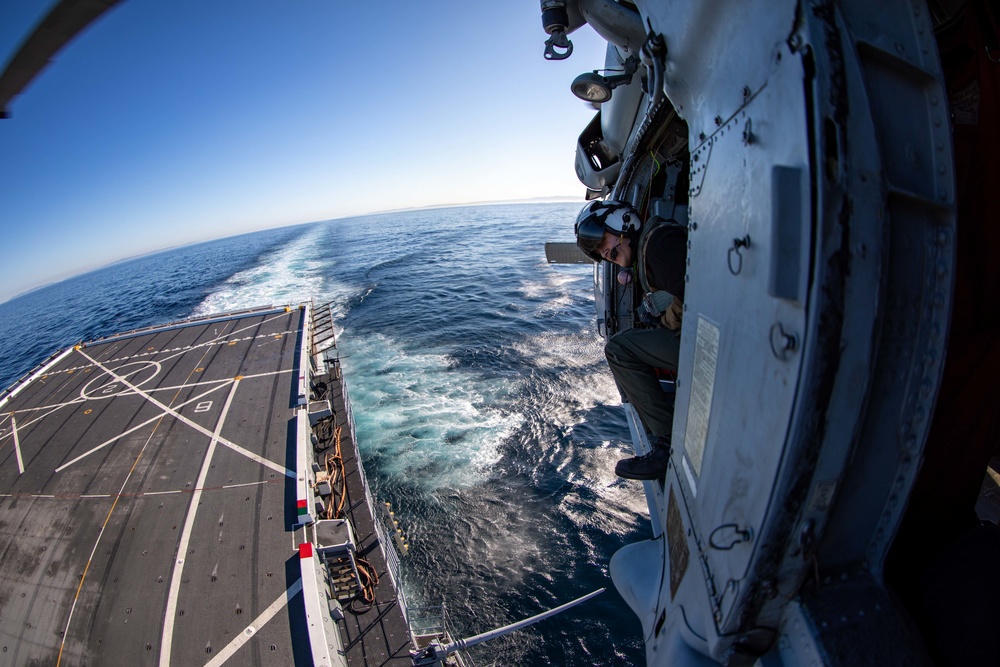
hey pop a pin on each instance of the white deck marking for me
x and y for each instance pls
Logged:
(223, 337)
(287, 313)
(187, 385)
(238, 486)
(175, 580)
(136, 428)
(53, 407)
(41, 417)
(225, 654)
(198, 427)
(17, 446)
(247, 453)
(219, 340)
(51, 363)
(139, 494)
(90, 558)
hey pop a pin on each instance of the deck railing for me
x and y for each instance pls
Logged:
(431, 623)
(331, 359)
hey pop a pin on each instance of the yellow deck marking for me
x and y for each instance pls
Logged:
(107, 519)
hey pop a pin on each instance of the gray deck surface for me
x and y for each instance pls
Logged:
(146, 512)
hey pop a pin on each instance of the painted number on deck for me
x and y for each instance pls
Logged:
(204, 406)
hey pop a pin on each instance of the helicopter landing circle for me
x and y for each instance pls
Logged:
(110, 383)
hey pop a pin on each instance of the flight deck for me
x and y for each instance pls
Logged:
(181, 495)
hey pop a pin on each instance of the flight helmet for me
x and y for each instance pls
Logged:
(605, 216)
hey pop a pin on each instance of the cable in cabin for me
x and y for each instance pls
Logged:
(644, 202)
(623, 292)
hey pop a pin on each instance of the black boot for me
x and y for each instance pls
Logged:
(652, 465)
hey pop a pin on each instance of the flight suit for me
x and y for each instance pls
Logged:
(635, 354)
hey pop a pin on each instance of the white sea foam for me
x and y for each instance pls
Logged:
(556, 288)
(584, 378)
(603, 501)
(426, 418)
(291, 274)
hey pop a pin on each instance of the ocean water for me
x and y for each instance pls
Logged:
(485, 410)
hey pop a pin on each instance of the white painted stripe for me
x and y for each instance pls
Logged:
(304, 357)
(259, 324)
(138, 426)
(198, 427)
(227, 318)
(97, 495)
(41, 371)
(90, 558)
(76, 401)
(321, 628)
(57, 406)
(41, 417)
(161, 493)
(236, 486)
(17, 446)
(224, 337)
(225, 654)
(175, 580)
(255, 457)
(53, 407)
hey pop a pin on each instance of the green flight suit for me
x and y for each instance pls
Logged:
(634, 354)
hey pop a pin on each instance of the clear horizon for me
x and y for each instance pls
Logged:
(162, 126)
(55, 281)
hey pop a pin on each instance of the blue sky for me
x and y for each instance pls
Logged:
(168, 123)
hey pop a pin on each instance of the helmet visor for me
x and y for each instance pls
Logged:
(589, 234)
